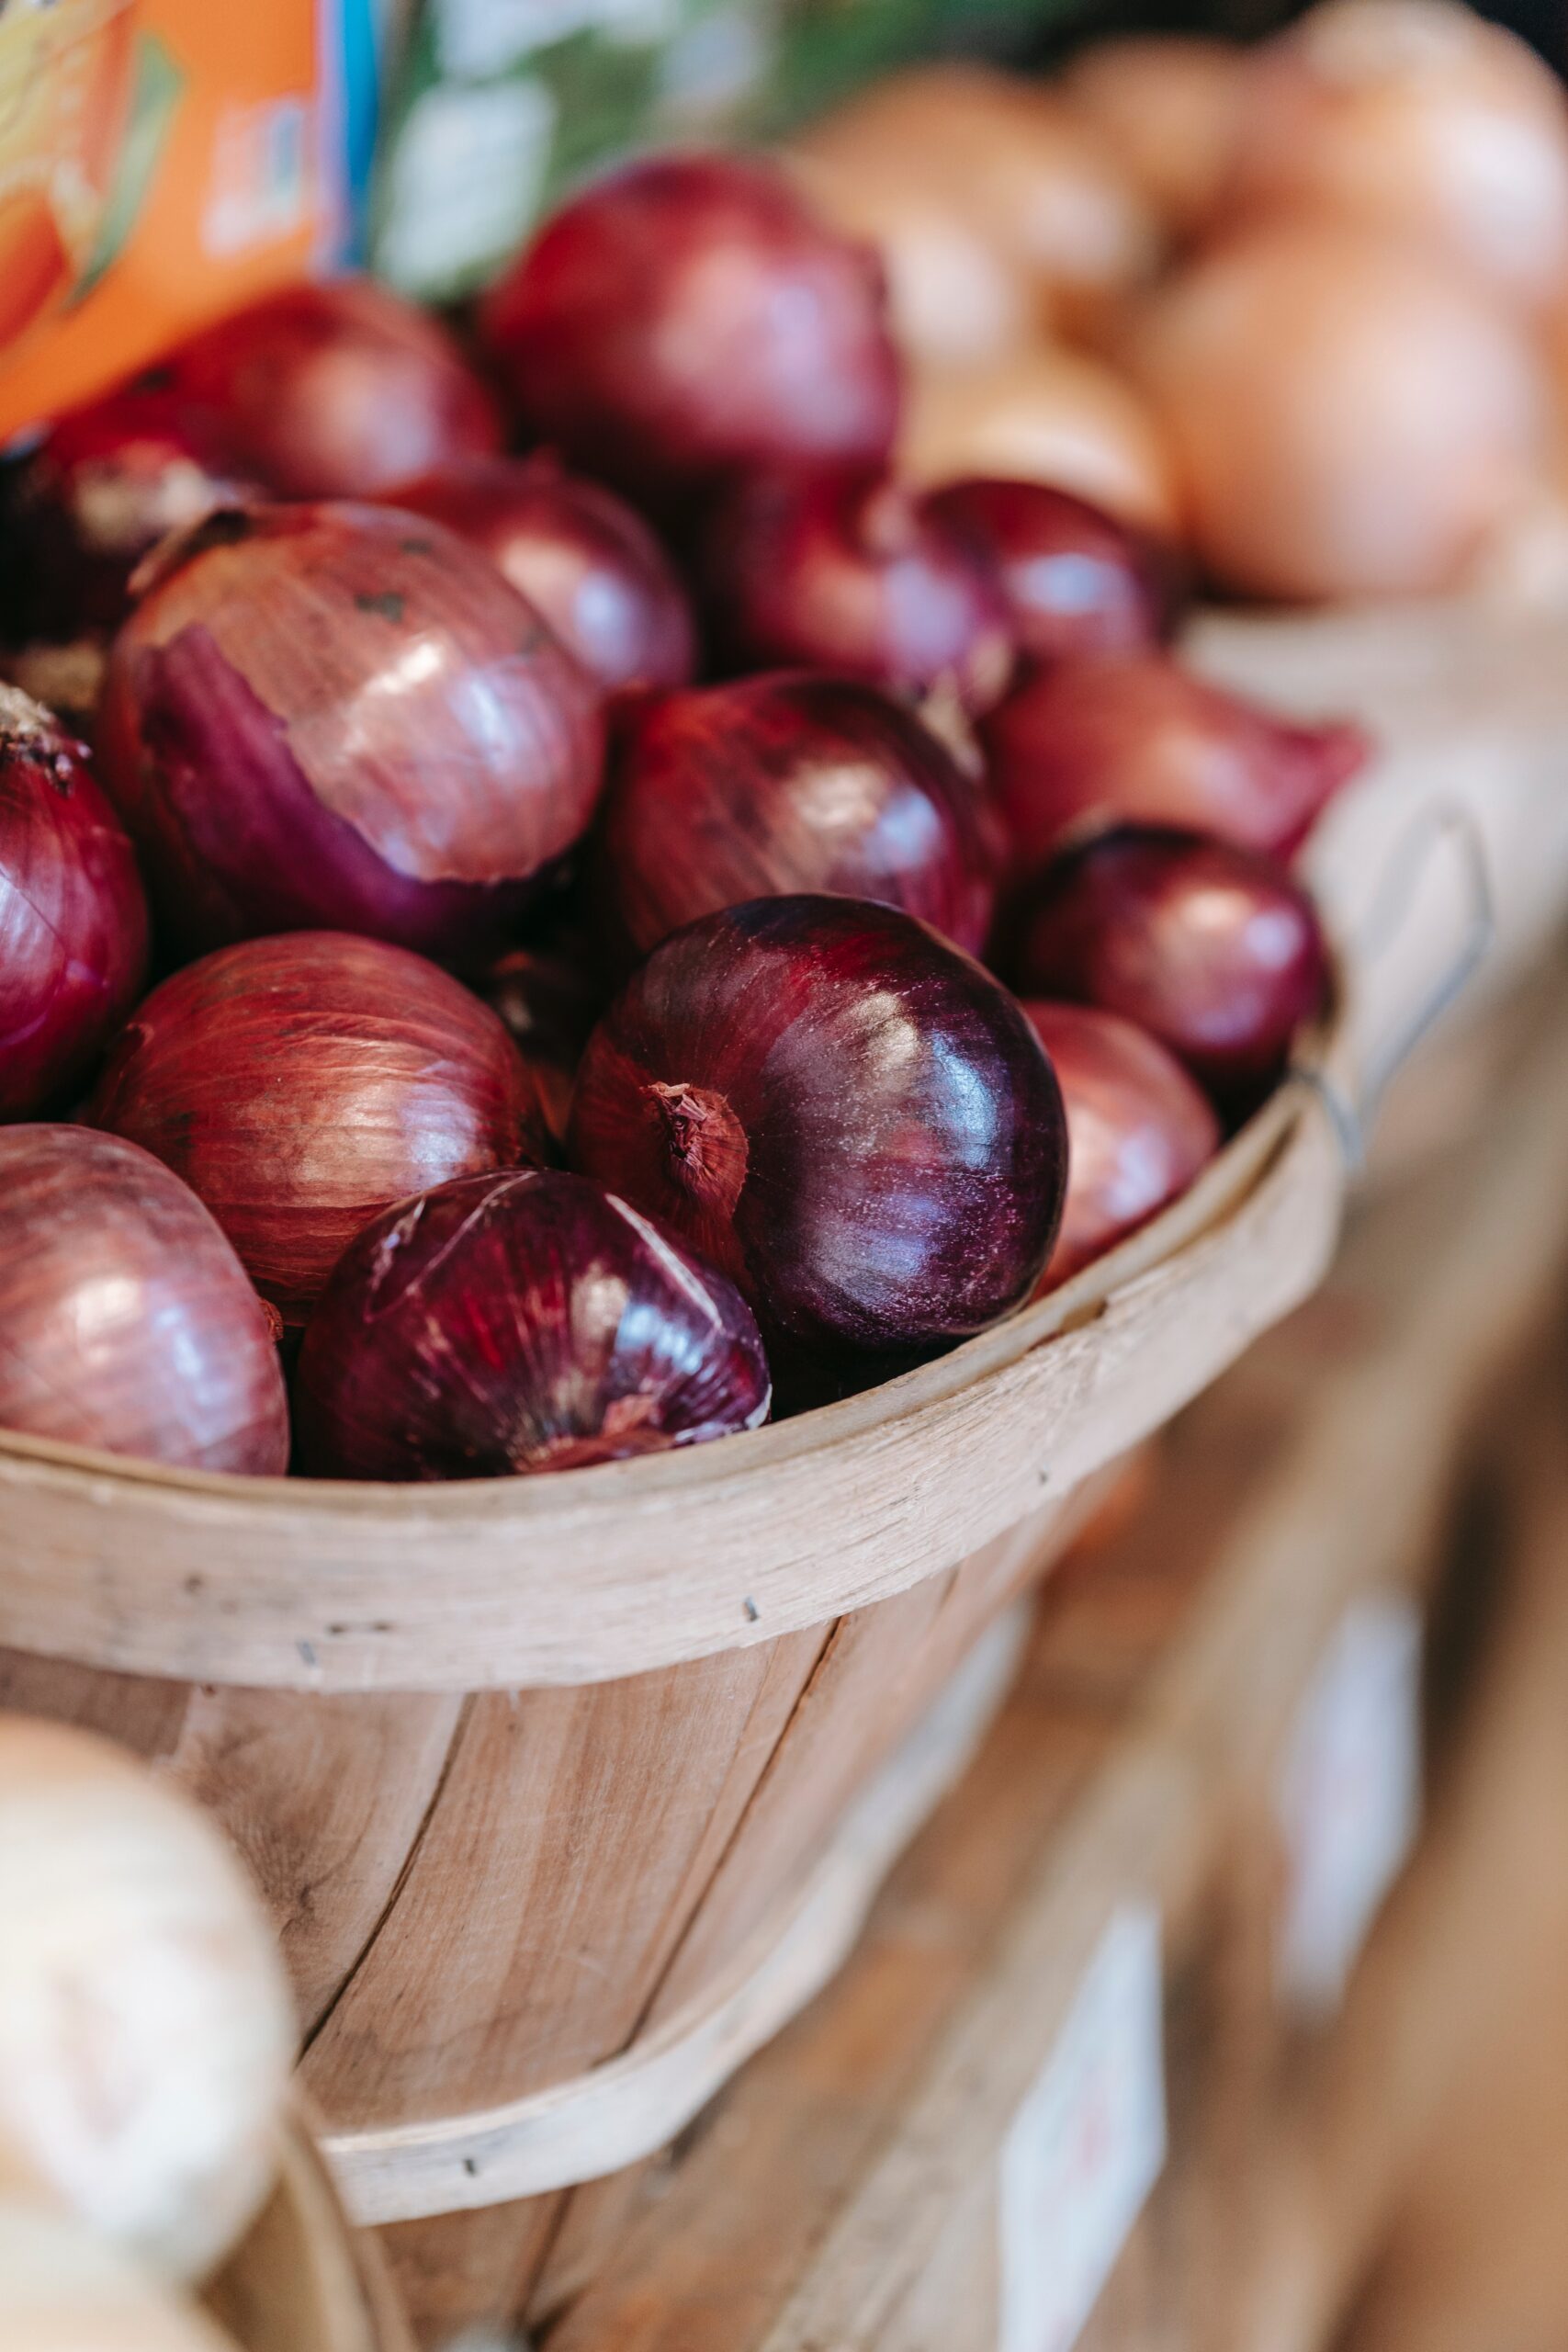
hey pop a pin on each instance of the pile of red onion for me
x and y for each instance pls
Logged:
(566, 1043)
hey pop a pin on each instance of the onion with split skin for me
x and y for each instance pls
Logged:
(1419, 119)
(845, 1115)
(1139, 1129)
(73, 915)
(299, 1085)
(1212, 949)
(62, 2289)
(1349, 420)
(1142, 739)
(783, 783)
(845, 573)
(526, 1321)
(146, 2029)
(338, 390)
(687, 318)
(581, 555)
(130, 1324)
(342, 717)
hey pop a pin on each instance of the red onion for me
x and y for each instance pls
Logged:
(339, 391)
(1138, 1128)
(1143, 740)
(844, 573)
(549, 996)
(301, 1085)
(846, 1115)
(345, 716)
(105, 485)
(580, 555)
(73, 918)
(784, 784)
(128, 1323)
(1075, 580)
(1212, 948)
(687, 317)
(517, 1322)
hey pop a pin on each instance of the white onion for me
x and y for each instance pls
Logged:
(1415, 117)
(1169, 107)
(63, 2290)
(1347, 418)
(1048, 416)
(145, 2029)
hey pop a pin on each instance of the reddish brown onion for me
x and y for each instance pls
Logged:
(788, 782)
(549, 996)
(687, 317)
(580, 555)
(73, 918)
(520, 1322)
(846, 1115)
(844, 573)
(302, 1084)
(128, 1323)
(345, 716)
(1138, 1128)
(339, 390)
(1212, 948)
(1075, 578)
(105, 485)
(1140, 740)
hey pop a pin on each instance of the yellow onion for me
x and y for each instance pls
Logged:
(1169, 108)
(145, 2030)
(61, 2290)
(1349, 419)
(1415, 117)
(1032, 178)
(1049, 415)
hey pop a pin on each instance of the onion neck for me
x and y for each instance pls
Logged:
(705, 1144)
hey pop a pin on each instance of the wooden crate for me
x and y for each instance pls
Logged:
(843, 2196)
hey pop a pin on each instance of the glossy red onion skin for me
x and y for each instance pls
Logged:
(1076, 581)
(299, 1085)
(1141, 740)
(1212, 949)
(777, 784)
(128, 1321)
(1139, 1129)
(844, 1113)
(343, 718)
(842, 573)
(685, 318)
(106, 484)
(582, 556)
(73, 915)
(520, 1322)
(338, 390)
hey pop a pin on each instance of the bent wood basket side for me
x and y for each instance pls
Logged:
(302, 2279)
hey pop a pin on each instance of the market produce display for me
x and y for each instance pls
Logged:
(744, 671)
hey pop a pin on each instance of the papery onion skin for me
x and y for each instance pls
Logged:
(1139, 1128)
(299, 1085)
(685, 318)
(1347, 418)
(106, 484)
(582, 556)
(1420, 119)
(339, 390)
(844, 573)
(1145, 740)
(342, 717)
(72, 914)
(520, 1322)
(1212, 949)
(777, 784)
(845, 1114)
(1075, 578)
(63, 2290)
(130, 1324)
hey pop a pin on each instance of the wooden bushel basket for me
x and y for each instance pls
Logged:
(301, 2280)
(539, 1775)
